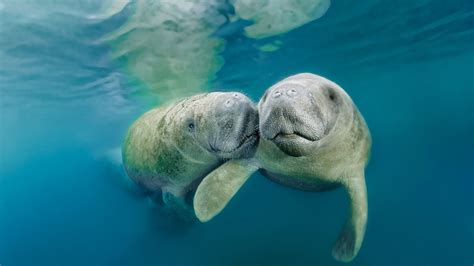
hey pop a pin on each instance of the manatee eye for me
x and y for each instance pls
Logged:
(191, 127)
(332, 94)
(228, 125)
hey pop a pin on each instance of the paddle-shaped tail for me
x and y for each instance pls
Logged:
(350, 239)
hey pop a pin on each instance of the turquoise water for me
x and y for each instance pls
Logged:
(75, 74)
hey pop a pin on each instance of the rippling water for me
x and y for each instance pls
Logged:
(75, 74)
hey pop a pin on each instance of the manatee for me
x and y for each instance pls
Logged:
(168, 150)
(312, 138)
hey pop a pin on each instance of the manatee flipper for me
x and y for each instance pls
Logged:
(178, 205)
(218, 187)
(350, 239)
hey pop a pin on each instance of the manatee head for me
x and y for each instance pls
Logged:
(224, 124)
(299, 111)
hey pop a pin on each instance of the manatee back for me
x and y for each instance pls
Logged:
(142, 146)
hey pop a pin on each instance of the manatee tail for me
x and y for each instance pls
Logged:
(112, 159)
(352, 234)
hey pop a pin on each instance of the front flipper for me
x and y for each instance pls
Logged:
(350, 239)
(218, 187)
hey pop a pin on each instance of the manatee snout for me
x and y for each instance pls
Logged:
(237, 126)
(291, 117)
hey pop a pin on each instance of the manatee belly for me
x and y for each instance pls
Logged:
(313, 184)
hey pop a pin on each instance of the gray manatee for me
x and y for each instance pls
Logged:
(313, 138)
(170, 149)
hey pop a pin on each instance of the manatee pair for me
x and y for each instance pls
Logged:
(170, 149)
(312, 137)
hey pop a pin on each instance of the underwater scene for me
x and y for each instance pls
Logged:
(393, 79)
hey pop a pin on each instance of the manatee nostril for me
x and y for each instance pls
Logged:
(229, 103)
(291, 92)
(276, 94)
(236, 95)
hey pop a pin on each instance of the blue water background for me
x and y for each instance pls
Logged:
(408, 65)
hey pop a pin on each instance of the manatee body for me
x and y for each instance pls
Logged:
(170, 149)
(312, 138)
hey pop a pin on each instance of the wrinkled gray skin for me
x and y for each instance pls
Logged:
(313, 138)
(172, 148)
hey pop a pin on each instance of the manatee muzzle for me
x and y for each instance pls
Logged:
(291, 118)
(237, 127)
